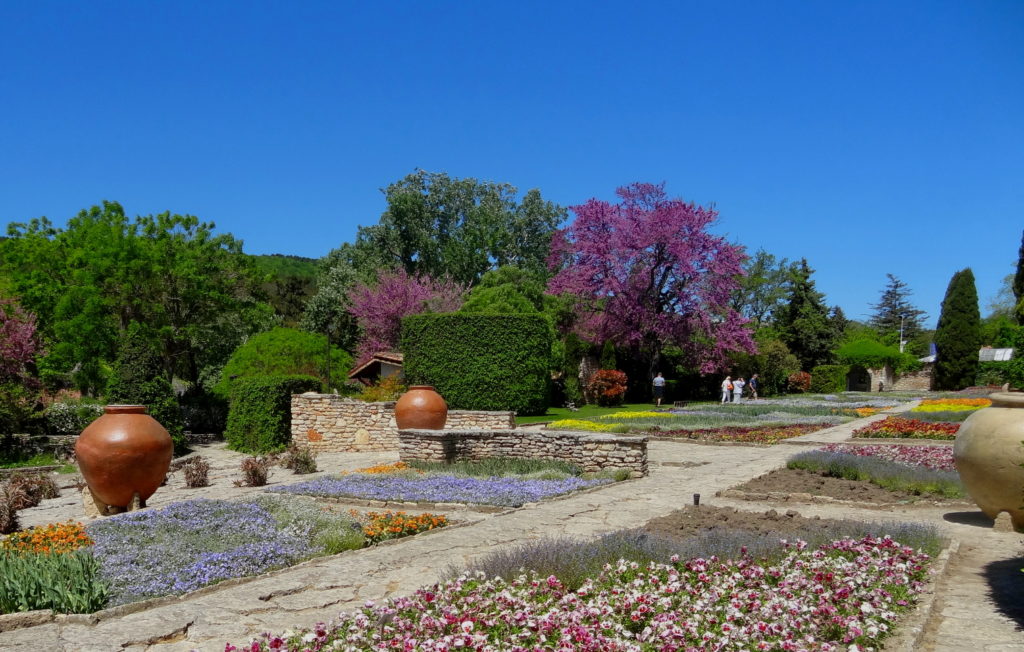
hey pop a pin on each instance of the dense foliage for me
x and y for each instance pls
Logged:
(762, 290)
(193, 290)
(283, 352)
(260, 417)
(649, 273)
(1018, 284)
(871, 354)
(894, 315)
(481, 361)
(958, 334)
(506, 290)
(829, 378)
(138, 379)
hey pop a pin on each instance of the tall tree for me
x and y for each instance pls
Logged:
(894, 314)
(507, 289)
(804, 322)
(958, 335)
(380, 306)
(191, 291)
(762, 290)
(440, 226)
(649, 273)
(1018, 284)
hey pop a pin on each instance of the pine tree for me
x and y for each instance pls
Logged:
(895, 314)
(1018, 284)
(958, 335)
(805, 325)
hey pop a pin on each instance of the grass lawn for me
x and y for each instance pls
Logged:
(585, 412)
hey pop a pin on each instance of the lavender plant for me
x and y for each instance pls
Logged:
(894, 476)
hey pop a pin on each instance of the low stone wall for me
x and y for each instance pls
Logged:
(915, 381)
(591, 451)
(330, 423)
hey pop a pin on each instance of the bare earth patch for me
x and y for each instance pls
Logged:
(816, 483)
(690, 521)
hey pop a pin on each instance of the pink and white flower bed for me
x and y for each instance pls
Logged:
(937, 458)
(842, 596)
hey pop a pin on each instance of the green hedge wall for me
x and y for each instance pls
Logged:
(260, 416)
(829, 378)
(481, 361)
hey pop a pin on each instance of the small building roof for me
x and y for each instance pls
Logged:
(390, 357)
(985, 354)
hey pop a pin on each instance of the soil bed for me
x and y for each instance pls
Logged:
(691, 521)
(816, 483)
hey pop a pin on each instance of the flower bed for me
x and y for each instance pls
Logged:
(581, 424)
(937, 458)
(952, 405)
(747, 434)
(901, 428)
(502, 491)
(48, 539)
(839, 596)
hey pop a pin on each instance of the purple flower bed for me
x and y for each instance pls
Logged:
(188, 545)
(506, 492)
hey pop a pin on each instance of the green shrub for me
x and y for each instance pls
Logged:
(282, 352)
(67, 583)
(871, 354)
(481, 361)
(993, 373)
(829, 378)
(388, 389)
(260, 416)
(138, 378)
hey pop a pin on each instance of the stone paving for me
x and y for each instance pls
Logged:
(973, 605)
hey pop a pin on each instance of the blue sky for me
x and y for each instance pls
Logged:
(868, 137)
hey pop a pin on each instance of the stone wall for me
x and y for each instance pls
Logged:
(591, 451)
(914, 381)
(330, 423)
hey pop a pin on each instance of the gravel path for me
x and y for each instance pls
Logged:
(978, 603)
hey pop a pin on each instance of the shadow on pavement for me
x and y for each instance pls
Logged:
(1006, 587)
(976, 518)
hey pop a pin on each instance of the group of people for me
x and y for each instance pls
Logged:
(732, 390)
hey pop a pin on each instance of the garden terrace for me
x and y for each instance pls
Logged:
(592, 452)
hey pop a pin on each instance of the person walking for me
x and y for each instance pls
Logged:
(752, 386)
(737, 389)
(659, 388)
(726, 389)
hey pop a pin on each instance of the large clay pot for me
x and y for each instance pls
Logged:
(421, 407)
(989, 455)
(122, 453)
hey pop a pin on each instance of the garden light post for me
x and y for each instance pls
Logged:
(901, 333)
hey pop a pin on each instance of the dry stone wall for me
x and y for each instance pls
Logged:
(330, 423)
(589, 450)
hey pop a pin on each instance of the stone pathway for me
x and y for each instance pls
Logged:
(971, 611)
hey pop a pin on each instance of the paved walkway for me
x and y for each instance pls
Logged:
(968, 613)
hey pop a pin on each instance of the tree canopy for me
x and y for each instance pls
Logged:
(190, 289)
(441, 226)
(894, 314)
(507, 289)
(763, 288)
(649, 273)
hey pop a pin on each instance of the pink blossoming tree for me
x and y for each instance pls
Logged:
(18, 342)
(380, 306)
(648, 274)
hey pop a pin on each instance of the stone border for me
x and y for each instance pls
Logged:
(4, 473)
(911, 629)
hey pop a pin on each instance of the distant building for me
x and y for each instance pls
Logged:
(380, 365)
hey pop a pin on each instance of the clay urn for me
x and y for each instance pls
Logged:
(989, 455)
(421, 408)
(122, 453)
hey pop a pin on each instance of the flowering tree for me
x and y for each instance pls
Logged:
(18, 342)
(650, 274)
(379, 308)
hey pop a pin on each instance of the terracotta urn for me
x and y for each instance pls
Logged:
(123, 453)
(989, 454)
(421, 407)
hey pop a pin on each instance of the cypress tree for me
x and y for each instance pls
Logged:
(805, 325)
(958, 335)
(1018, 283)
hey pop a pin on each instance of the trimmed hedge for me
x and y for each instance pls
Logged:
(481, 361)
(829, 378)
(260, 416)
